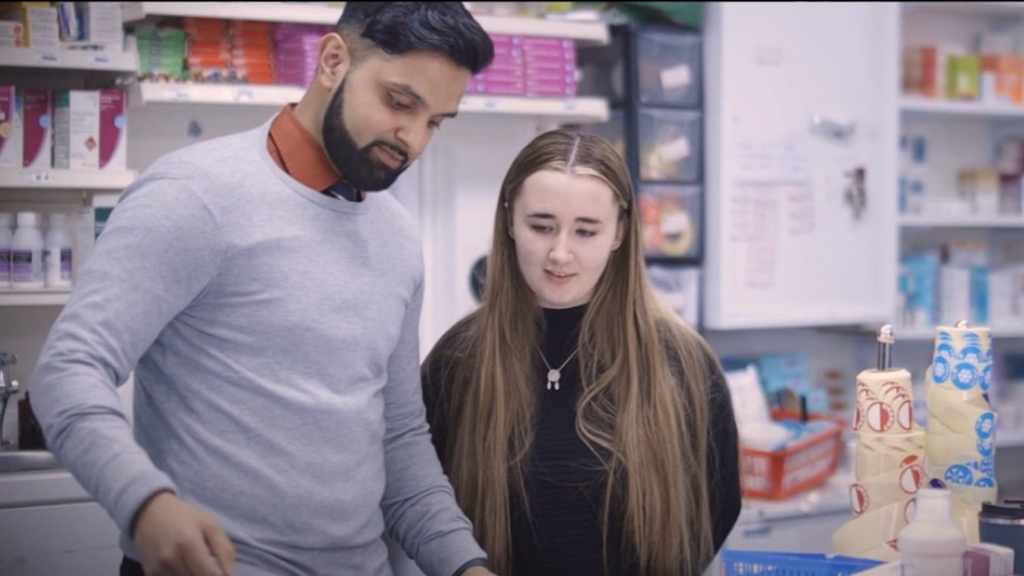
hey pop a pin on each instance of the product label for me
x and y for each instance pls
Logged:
(22, 266)
(65, 264)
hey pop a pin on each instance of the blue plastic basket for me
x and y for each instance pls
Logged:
(757, 563)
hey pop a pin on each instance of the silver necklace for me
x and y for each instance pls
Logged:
(555, 374)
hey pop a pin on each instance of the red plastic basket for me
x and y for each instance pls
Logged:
(801, 466)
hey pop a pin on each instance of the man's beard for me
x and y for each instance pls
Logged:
(357, 165)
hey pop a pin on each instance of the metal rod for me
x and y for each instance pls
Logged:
(885, 341)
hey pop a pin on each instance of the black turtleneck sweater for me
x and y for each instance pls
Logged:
(565, 480)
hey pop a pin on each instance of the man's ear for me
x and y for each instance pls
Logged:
(335, 60)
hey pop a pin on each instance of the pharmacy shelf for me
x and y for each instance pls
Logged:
(928, 334)
(995, 9)
(914, 221)
(144, 93)
(581, 110)
(92, 60)
(297, 13)
(585, 32)
(66, 179)
(43, 297)
(918, 106)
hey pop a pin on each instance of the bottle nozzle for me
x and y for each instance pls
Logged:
(886, 339)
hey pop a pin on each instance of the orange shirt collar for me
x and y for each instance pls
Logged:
(298, 153)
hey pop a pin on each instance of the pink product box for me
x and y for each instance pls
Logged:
(508, 61)
(292, 60)
(508, 52)
(549, 64)
(500, 88)
(517, 71)
(555, 76)
(113, 129)
(549, 55)
(296, 53)
(293, 74)
(37, 118)
(562, 92)
(553, 82)
(505, 40)
(534, 42)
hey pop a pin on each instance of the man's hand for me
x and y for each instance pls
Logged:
(177, 539)
(478, 571)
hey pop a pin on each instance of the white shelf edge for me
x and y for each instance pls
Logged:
(37, 297)
(262, 11)
(924, 334)
(54, 179)
(569, 109)
(62, 58)
(974, 8)
(144, 93)
(924, 221)
(586, 32)
(1009, 438)
(921, 105)
(581, 109)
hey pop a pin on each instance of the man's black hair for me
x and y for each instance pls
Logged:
(400, 27)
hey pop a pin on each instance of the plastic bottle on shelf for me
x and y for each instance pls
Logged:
(6, 241)
(932, 544)
(57, 256)
(27, 253)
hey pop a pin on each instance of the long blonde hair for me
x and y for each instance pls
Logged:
(643, 405)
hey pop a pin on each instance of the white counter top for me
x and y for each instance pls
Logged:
(40, 488)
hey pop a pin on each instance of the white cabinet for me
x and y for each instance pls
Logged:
(801, 156)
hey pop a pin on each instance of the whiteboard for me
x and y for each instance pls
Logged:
(798, 96)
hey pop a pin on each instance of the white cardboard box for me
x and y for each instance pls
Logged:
(10, 128)
(76, 130)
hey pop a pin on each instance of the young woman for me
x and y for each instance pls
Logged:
(584, 428)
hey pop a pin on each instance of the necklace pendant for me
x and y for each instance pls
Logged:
(553, 377)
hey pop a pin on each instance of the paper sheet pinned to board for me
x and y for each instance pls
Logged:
(771, 201)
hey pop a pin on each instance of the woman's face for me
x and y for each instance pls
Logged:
(565, 227)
